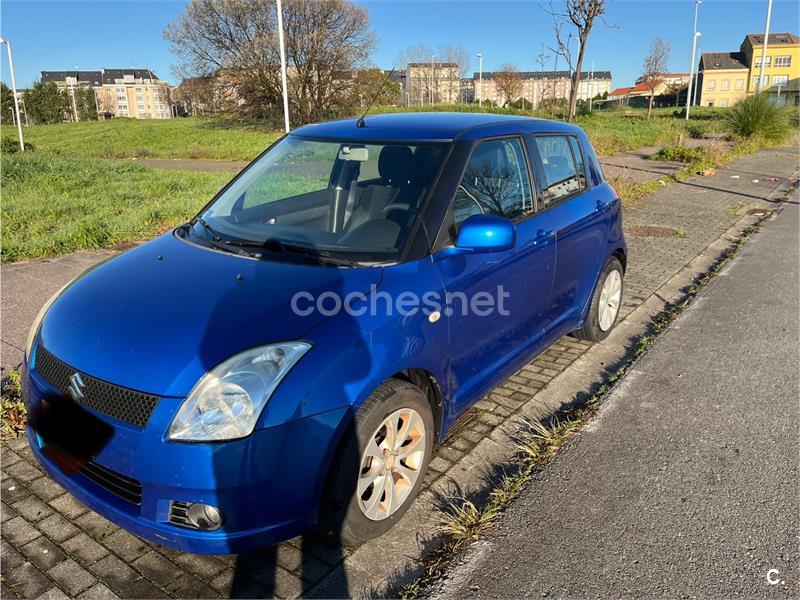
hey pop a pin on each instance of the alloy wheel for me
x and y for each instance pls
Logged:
(610, 297)
(391, 464)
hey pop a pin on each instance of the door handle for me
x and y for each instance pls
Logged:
(543, 237)
(602, 207)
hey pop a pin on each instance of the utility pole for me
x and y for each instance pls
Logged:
(695, 35)
(431, 79)
(14, 92)
(764, 48)
(480, 79)
(283, 67)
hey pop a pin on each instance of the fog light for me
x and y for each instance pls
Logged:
(195, 515)
(204, 516)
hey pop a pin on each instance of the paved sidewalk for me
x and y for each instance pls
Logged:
(685, 483)
(52, 544)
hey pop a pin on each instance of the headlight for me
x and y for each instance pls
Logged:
(38, 321)
(227, 401)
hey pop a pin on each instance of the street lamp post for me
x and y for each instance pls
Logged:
(480, 79)
(695, 35)
(431, 79)
(14, 91)
(284, 84)
(764, 48)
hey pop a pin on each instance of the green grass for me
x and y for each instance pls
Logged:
(189, 138)
(53, 205)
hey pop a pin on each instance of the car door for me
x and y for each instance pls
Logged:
(580, 217)
(485, 344)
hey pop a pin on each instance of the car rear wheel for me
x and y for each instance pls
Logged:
(606, 302)
(380, 465)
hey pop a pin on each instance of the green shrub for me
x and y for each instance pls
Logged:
(757, 116)
(11, 145)
(680, 154)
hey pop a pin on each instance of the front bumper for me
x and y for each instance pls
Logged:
(267, 485)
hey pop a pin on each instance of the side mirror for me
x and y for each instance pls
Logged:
(486, 233)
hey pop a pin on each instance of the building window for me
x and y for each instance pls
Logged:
(740, 84)
(140, 107)
(712, 84)
(780, 80)
(783, 61)
(767, 63)
(762, 84)
(122, 98)
(723, 102)
(726, 84)
(120, 90)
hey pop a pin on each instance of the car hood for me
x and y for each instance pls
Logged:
(157, 317)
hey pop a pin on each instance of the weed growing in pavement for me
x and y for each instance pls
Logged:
(464, 521)
(14, 414)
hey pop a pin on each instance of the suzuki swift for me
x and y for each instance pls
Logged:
(290, 357)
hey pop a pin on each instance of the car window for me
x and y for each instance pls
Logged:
(576, 152)
(558, 165)
(495, 182)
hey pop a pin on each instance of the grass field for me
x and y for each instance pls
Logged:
(188, 138)
(53, 205)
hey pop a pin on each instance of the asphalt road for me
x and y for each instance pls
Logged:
(686, 482)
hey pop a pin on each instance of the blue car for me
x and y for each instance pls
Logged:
(290, 357)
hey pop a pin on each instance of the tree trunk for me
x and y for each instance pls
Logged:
(650, 105)
(576, 77)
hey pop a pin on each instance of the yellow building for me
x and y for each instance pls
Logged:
(782, 68)
(722, 78)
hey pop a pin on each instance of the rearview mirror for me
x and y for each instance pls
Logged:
(486, 233)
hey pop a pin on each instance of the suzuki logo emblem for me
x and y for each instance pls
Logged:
(76, 386)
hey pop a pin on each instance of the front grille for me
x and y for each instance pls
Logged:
(106, 398)
(124, 487)
(178, 514)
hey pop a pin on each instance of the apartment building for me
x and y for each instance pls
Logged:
(538, 87)
(135, 93)
(782, 66)
(724, 78)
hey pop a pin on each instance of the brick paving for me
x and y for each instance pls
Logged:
(53, 547)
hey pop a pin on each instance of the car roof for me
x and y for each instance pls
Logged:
(430, 126)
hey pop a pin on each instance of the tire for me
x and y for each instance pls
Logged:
(343, 515)
(592, 329)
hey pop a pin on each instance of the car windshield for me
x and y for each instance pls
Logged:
(325, 198)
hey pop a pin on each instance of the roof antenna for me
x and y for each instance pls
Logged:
(360, 122)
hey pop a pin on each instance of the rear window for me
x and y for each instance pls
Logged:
(561, 172)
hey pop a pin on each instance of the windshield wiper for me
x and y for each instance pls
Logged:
(295, 250)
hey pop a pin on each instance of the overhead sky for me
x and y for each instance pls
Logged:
(93, 34)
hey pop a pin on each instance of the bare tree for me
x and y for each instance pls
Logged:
(450, 63)
(580, 16)
(236, 41)
(509, 81)
(654, 67)
(458, 59)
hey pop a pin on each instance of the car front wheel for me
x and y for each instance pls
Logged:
(380, 465)
(606, 302)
